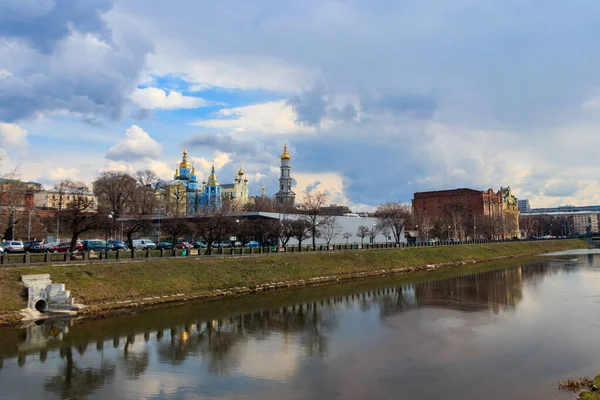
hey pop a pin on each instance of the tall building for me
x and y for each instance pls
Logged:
(285, 195)
(524, 206)
(463, 213)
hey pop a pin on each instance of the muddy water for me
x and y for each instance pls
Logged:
(506, 331)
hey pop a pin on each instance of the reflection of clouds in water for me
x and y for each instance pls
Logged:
(276, 358)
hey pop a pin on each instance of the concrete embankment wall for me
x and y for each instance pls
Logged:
(153, 281)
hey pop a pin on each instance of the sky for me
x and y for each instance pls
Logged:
(375, 99)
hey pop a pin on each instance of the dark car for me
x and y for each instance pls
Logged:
(164, 246)
(34, 247)
(184, 245)
(118, 244)
(63, 247)
(199, 245)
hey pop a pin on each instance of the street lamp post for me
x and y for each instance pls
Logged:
(448, 233)
(110, 218)
(373, 233)
(29, 226)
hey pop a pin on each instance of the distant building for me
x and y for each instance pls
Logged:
(285, 195)
(567, 208)
(524, 206)
(18, 194)
(335, 209)
(466, 213)
(57, 198)
(568, 222)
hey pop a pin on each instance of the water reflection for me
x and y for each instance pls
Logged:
(245, 339)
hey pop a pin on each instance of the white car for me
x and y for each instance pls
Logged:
(14, 246)
(143, 244)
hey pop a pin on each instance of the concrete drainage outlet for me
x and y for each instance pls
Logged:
(41, 305)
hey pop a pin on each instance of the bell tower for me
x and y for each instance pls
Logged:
(285, 195)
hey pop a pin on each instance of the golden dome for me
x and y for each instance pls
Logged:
(240, 172)
(236, 179)
(246, 179)
(285, 155)
(212, 179)
(184, 162)
(204, 181)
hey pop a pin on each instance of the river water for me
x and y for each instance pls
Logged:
(508, 330)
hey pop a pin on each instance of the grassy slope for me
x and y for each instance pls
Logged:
(95, 283)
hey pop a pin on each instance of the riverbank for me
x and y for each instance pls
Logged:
(148, 282)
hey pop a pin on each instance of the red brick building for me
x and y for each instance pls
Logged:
(466, 213)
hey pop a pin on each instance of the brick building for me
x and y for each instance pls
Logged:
(466, 213)
(335, 209)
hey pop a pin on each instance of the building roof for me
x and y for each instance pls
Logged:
(446, 192)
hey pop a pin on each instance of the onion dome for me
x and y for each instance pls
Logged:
(212, 179)
(285, 155)
(240, 172)
(184, 162)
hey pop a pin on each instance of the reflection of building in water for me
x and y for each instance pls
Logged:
(219, 338)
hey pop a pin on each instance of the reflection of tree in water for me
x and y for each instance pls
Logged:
(135, 364)
(74, 382)
(218, 341)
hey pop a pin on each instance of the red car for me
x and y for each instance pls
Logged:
(63, 247)
(184, 245)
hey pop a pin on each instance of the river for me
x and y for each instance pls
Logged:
(509, 330)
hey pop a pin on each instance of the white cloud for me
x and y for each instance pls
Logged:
(275, 117)
(204, 166)
(156, 98)
(12, 135)
(137, 145)
(59, 174)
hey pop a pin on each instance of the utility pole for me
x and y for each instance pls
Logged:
(13, 222)
(29, 226)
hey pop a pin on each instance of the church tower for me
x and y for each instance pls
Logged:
(285, 194)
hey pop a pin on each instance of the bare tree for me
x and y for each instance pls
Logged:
(394, 216)
(424, 224)
(329, 227)
(78, 215)
(311, 209)
(347, 235)
(529, 224)
(214, 224)
(264, 204)
(176, 227)
(301, 230)
(454, 218)
(362, 233)
(115, 191)
(287, 231)
(178, 195)
(142, 205)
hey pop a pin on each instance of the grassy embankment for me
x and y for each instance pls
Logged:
(99, 283)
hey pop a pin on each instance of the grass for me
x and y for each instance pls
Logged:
(103, 282)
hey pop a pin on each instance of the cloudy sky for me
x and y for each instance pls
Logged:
(376, 99)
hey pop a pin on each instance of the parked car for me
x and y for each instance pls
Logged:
(34, 247)
(14, 246)
(143, 244)
(164, 246)
(97, 245)
(225, 243)
(63, 247)
(118, 244)
(252, 243)
(2, 248)
(199, 245)
(184, 245)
